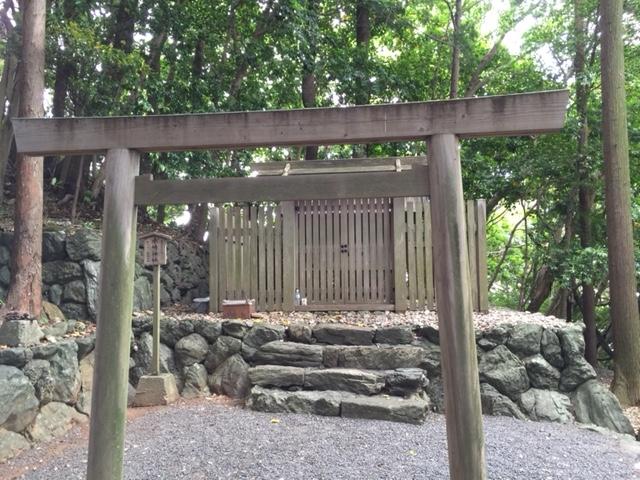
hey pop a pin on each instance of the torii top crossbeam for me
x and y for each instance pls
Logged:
(439, 123)
(520, 114)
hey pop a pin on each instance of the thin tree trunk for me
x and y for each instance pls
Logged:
(25, 291)
(455, 51)
(624, 304)
(309, 60)
(363, 37)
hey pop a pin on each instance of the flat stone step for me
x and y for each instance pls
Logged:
(332, 403)
(289, 354)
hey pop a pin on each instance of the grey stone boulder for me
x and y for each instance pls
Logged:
(53, 246)
(222, 348)
(54, 420)
(75, 310)
(55, 329)
(435, 392)
(503, 370)
(15, 357)
(11, 444)
(594, 403)
(75, 291)
(541, 373)
(497, 335)
(395, 335)
(525, 339)
(408, 410)
(300, 332)
(339, 334)
(84, 244)
(142, 356)
(142, 296)
(575, 374)
(345, 380)
(430, 333)
(60, 271)
(279, 401)
(195, 381)
(546, 405)
(14, 333)
(331, 355)
(388, 357)
(236, 328)
(91, 275)
(405, 381)
(5, 255)
(18, 402)
(5, 276)
(289, 353)
(231, 378)
(54, 293)
(86, 382)
(210, 330)
(572, 342)
(261, 334)
(431, 361)
(551, 349)
(172, 330)
(276, 376)
(55, 373)
(494, 403)
(85, 345)
(191, 349)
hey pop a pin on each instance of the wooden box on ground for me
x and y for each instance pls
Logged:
(238, 308)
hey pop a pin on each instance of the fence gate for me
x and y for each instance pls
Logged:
(345, 253)
(355, 254)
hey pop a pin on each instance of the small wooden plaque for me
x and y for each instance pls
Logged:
(155, 248)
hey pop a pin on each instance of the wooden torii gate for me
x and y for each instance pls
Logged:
(439, 123)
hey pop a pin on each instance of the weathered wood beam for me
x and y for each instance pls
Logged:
(412, 183)
(306, 167)
(113, 335)
(519, 114)
(453, 299)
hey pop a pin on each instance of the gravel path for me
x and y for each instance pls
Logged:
(207, 440)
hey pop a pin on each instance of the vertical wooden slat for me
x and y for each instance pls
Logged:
(411, 251)
(344, 255)
(322, 250)
(289, 254)
(331, 247)
(457, 339)
(481, 242)
(366, 272)
(420, 258)
(473, 253)
(428, 247)
(300, 221)
(228, 249)
(246, 246)
(380, 252)
(253, 252)
(309, 250)
(277, 259)
(358, 250)
(352, 251)
(262, 264)
(237, 249)
(399, 255)
(389, 277)
(222, 254)
(214, 302)
(270, 258)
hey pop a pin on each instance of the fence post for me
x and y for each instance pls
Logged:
(113, 335)
(214, 225)
(399, 255)
(453, 292)
(481, 241)
(289, 255)
(472, 236)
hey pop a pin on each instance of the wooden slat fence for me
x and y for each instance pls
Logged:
(355, 254)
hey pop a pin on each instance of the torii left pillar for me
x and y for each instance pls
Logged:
(113, 335)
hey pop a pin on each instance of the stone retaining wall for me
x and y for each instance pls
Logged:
(526, 371)
(71, 265)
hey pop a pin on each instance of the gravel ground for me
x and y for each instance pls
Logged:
(482, 321)
(206, 440)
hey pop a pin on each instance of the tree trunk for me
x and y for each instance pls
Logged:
(455, 51)
(585, 191)
(622, 282)
(309, 54)
(25, 291)
(363, 37)
(541, 288)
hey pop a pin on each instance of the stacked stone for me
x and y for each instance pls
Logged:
(71, 267)
(44, 390)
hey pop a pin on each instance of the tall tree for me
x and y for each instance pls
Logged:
(309, 53)
(622, 282)
(25, 292)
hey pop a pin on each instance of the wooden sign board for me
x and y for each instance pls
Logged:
(155, 248)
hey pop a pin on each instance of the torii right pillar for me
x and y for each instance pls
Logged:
(455, 315)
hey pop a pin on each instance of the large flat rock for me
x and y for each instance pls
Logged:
(279, 401)
(378, 357)
(345, 380)
(289, 353)
(381, 407)
(339, 334)
(276, 376)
